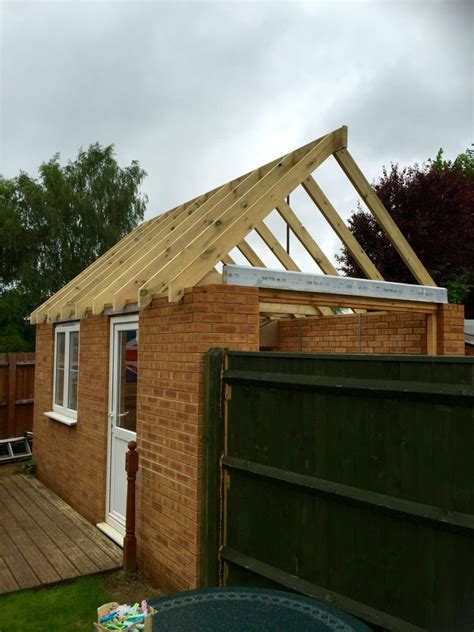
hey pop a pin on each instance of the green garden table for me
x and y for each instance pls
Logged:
(248, 610)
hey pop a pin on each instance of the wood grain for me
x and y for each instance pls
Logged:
(44, 541)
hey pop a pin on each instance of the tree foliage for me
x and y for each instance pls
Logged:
(54, 226)
(433, 205)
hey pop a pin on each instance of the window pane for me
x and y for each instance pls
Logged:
(128, 349)
(59, 390)
(73, 369)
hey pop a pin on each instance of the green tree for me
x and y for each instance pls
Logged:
(54, 226)
(433, 205)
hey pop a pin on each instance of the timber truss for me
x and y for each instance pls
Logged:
(180, 249)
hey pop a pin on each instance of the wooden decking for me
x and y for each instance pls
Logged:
(43, 540)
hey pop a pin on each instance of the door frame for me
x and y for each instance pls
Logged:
(114, 320)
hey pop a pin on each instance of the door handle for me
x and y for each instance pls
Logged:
(123, 414)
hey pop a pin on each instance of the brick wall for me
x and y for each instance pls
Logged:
(72, 460)
(366, 333)
(173, 341)
(451, 330)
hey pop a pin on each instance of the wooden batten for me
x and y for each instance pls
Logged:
(289, 308)
(333, 300)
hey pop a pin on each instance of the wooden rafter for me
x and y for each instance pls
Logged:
(280, 253)
(128, 279)
(339, 227)
(274, 245)
(311, 247)
(240, 218)
(250, 254)
(227, 260)
(173, 244)
(90, 272)
(76, 302)
(382, 216)
(181, 248)
(104, 265)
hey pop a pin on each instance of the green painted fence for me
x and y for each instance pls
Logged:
(346, 478)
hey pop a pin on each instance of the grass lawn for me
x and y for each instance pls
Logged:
(71, 606)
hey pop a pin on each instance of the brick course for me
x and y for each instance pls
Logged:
(72, 459)
(377, 333)
(451, 330)
(173, 341)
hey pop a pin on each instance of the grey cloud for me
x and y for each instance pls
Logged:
(202, 92)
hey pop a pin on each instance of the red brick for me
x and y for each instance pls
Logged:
(364, 333)
(173, 372)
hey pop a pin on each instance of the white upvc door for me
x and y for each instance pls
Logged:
(122, 413)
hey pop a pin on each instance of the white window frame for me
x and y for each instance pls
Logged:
(63, 413)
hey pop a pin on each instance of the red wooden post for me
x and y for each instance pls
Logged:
(130, 540)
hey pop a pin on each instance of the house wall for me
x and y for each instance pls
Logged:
(173, 341)
(367, 333)
(71, 460)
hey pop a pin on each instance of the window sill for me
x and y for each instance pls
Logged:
(63, 419)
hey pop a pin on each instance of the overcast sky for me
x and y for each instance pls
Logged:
(200, 93)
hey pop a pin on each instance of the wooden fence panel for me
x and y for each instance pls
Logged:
(17, 380)
(348, 479)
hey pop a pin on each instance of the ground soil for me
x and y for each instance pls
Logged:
(7, 469)
(129, 587)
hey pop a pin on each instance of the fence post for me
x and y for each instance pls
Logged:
(11, 394)
(213, 447)
(130, 540)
